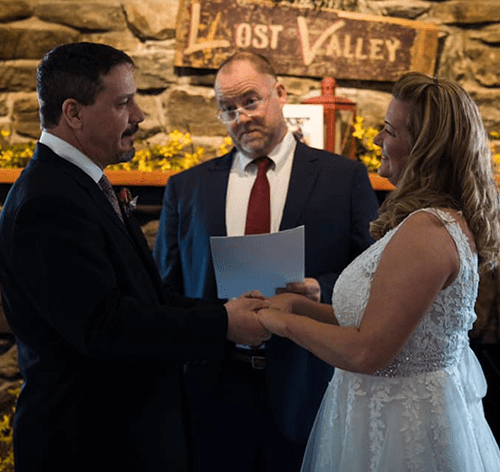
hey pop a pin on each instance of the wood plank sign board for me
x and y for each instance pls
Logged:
(304, 41)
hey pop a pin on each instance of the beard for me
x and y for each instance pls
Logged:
(127, 156)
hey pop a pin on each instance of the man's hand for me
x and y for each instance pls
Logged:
(310, 288)
(243, 325)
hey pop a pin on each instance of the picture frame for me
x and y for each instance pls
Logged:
(306, 123)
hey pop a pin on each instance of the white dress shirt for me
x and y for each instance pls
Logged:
(242, 176)
(70, 153)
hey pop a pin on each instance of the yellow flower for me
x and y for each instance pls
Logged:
(225, 146)
(169, 156)
(366, 150)
(358, 132)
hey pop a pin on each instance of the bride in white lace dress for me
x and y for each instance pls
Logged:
(407, 390)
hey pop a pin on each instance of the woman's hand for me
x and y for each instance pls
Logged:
(274, 320)
(284, 302)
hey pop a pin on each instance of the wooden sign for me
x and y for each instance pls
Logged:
(303, 41)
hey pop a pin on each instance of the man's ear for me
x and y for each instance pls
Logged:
(281, 93)
(71, 113)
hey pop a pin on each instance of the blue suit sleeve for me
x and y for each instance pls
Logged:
(364, 208)
(166, 251)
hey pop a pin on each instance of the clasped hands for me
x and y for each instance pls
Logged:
(253, 319)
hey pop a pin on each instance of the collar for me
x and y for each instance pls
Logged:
(70, 153)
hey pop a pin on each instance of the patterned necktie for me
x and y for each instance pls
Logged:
(259, 203)
(110, 194)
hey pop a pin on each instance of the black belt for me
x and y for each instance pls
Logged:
(255, 358)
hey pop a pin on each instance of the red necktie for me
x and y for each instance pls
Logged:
(259, 204)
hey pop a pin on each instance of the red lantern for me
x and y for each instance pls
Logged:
(339, 116)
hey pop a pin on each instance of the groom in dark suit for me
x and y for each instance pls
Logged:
(253, 412)
(101, 346)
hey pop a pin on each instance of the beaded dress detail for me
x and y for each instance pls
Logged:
(423, 413)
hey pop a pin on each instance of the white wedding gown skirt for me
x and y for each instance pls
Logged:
(424, 412)
(432, 422)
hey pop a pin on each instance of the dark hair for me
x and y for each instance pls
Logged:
(260, 62)
(73, 71)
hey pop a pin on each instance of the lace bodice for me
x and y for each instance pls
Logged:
(440, 338)
(424, 412)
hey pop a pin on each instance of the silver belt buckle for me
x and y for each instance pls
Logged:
(258, 362)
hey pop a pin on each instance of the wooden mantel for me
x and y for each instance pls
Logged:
(159, 178)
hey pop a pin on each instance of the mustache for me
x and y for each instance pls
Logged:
(131, 131)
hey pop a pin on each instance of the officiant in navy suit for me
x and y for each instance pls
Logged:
(101, 346)
(253, 412)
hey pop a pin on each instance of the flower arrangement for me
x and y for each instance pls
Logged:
(6, 434)
(14, 156)
(176, 154)
(366, 150)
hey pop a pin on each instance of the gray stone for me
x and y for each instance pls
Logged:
(154, 69)
(154, 121)
(32, 38)
(408, 9)
(489, 34)
(297, 88)
(83, 15)
(8, 360)
(454, 64)
(194, 114)
(25, 116)
(18, 75)
(4, 109)
(152, 19)
(205, 79)
(11, 10)
(370, 104)
(487, 101)
(484, 63)
(123, 40)
(466, 12)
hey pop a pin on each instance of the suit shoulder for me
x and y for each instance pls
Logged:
(332, 160)
(222, 163)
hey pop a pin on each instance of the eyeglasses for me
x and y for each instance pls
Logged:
(254, 107)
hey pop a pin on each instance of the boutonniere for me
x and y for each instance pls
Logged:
(128, 202)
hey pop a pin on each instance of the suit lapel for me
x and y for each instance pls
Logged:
(215, 193)
(46, 155)
(302, 179)
(131, 229)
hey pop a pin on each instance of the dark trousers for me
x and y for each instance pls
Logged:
(233, 428)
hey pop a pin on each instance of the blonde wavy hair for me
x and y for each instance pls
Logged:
(449, 165)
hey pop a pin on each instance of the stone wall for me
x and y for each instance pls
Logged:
(469, 52)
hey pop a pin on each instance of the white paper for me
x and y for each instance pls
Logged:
(257, 262)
